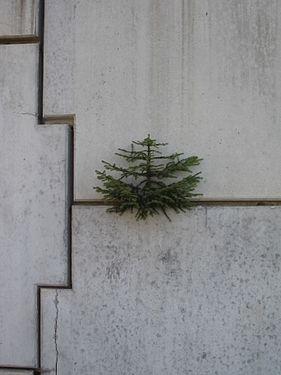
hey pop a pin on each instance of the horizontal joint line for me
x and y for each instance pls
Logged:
(19, 39)
(199, 202)
(68, 119)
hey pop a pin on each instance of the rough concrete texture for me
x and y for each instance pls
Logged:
(18, 17)
(58, 81)
(33, 167)
(202, 75)
(199, 295)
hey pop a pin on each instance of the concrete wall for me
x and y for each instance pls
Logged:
(203, 75)
(33, 208)
(200, 295)
(18, 17)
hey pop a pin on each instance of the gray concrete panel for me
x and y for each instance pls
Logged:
(200, 295)
(33, 207)
(204, 76)
(18, 17)
(59, 44)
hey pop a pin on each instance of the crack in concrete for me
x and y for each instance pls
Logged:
(56, 301)
(29, 114)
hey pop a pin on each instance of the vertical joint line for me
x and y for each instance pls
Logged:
(70, 198)
(56, 332)
(41, 27)
(39, 348)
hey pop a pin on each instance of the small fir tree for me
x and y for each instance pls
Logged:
(148, 169)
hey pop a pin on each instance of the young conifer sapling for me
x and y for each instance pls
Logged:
(143, 185)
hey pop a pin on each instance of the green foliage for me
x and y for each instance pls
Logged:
(148, 169)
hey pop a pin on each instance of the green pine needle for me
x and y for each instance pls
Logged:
(150, 194)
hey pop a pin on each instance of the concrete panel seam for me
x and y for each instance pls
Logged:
(68, 119)
(36, 371)
(56, 331)
(198, 202)
(19, 39)
(41, 28)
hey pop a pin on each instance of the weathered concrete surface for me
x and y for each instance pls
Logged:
(18, 17)
(33, 166)
(58, 88)
(200, 295)
(203, 75)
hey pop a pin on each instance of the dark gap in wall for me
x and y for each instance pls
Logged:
(41, 28)
(198, 202)
(18, 39)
